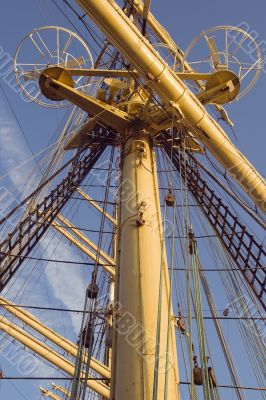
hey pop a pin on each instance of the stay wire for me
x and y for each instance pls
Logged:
(169, 319)
(199, 316)
(19, 124)
(74, 26)
(159, 316)
(23, 202)
(92, 306)
(218, 253)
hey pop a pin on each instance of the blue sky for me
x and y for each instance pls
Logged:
(184, 21)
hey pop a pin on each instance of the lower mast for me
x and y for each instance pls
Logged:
(144, 366)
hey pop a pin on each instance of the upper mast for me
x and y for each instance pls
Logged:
(121, 31)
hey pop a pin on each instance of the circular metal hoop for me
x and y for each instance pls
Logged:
(45, 47)
(226, 48)
(170, 55)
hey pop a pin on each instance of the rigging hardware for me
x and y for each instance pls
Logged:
(226, 48)
(28, 232)
(50, 46)
(244, 249)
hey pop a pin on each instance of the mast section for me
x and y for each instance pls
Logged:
(140, 350)
(160, 78)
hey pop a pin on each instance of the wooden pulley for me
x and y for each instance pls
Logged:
(180, 324)
(212, 377)
(92, 291)
(170, 198)
(87, 336)
(197, 376)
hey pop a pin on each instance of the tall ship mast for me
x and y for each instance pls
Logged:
(132, 258)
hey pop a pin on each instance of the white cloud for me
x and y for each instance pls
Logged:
(71, 293)
(12, 149)
(67, 283)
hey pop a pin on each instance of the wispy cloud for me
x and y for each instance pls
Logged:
(65, 280)
(12, 149)
(64, 285)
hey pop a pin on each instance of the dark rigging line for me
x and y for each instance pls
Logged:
(255, 215)
(19, 125)
(37, 190)
(32, 378)
(106, 379)
(91, 312)
(111, 265)
(71, 23)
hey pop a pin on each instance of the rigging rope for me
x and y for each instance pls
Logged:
(199, 316)
(159, 316)
(169, 322)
